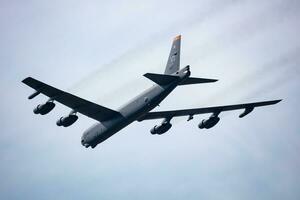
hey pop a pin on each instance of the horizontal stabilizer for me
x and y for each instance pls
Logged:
(197, 80)
(161, 79)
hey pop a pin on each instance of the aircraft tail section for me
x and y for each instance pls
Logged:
(173, 71)
(161, 79)
(192, 80)
(173, 63)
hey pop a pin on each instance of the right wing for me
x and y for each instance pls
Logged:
(197, 111)
(78, 104)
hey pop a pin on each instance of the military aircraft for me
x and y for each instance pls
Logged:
(138, 109)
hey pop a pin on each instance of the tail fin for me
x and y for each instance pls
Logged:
(174, 57)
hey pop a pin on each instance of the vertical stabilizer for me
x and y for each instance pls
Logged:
(174, 57)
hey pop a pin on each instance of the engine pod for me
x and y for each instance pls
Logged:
(164, 127)
(208, 123)
(44, 108)
(67, 121)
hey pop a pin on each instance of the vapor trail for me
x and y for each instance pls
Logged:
(140, 59)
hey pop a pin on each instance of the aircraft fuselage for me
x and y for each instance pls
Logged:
(131, 111)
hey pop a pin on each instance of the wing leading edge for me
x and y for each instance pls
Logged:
(197, 111)
(78, 104)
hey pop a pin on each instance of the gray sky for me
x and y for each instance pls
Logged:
(99, 50)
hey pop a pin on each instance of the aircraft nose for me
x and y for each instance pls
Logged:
(84, 143)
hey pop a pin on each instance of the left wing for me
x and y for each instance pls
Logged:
(196, 111)
(78, 104)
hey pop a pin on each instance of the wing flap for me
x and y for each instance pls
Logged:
(197, 111)
(78, 104)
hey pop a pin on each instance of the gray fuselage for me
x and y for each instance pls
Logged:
(131, 111)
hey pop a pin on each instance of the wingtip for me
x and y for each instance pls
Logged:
(274, 101)
(26, 79)
(212, 80)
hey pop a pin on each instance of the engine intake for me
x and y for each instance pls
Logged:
(164, 127)
(67, 121)
(210, 122)
(44, 108)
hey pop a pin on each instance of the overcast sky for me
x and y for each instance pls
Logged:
(99, 50)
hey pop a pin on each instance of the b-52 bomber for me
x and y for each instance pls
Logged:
(139, 108)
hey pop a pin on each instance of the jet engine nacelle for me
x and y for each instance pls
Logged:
(67, 121)
(209, 123)
(164, 127)
(44, 108)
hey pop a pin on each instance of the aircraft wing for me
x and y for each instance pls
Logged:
(78, 104)
(197, 111)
